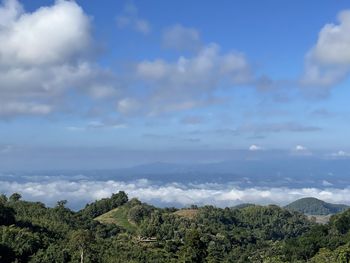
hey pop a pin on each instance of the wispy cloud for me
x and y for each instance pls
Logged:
(105, 124)
(129, 18)
(192, 120)
(278, 127)
(258, 130)
(181, 38)
(4, 149)
(340, 155)
(188, 83)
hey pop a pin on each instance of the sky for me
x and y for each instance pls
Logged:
(103, 84)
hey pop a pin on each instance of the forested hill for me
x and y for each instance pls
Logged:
(314, 206)
(117, 229)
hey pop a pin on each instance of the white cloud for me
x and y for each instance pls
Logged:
(128, 105)
(129, 18)
(24, 108)
(44, 54)
(50, 35)
(300, 148)
(9, 12)
(181, 38)
(333, 45)
(101, 91)
(255, 148)
(81, 191)
(328, 62)
(190, 82)
(106, 124)
(93, 125)
(200, 72)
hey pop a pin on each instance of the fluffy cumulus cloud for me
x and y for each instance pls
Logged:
(43, 54)
(81, 191)
(129, 18)
(181, 38)
(328, 62)
(187, 82)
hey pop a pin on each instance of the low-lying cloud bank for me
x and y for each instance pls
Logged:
(79, 192)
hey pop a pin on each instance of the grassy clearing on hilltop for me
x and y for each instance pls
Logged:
(119, 217)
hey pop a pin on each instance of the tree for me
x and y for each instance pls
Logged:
(341, 221)
(61, 203)
(3, 199)
(7, 215)
(194, 249)
(21, 241)
(80, 239)
(15, 197)
(54, 253)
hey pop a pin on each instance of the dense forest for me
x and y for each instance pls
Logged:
(314, 206)
(116, 229)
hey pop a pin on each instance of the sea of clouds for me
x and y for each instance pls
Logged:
(80, 190)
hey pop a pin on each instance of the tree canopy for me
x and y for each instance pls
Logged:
(117, 230)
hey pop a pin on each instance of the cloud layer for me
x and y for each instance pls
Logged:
(81, 191)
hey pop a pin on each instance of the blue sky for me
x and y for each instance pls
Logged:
(87, 78)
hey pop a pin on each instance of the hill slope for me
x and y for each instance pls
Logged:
(119, 217)
(314, 206)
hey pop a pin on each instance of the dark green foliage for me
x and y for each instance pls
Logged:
(139, 212)
(32, 232)
(104, 205)
(194, 249)
(314, 206)
(7, 215)
(21, 241)
(15, 197)
(3, 199)
(273, 222)
(54, 253)
(341, 221)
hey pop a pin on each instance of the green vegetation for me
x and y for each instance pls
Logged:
(123, 216)
(188, 213)
(116, 229)
(314, 206)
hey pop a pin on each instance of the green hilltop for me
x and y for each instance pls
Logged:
(314, 206)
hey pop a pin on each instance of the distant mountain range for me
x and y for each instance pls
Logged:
(314, 206)
(291, 173)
